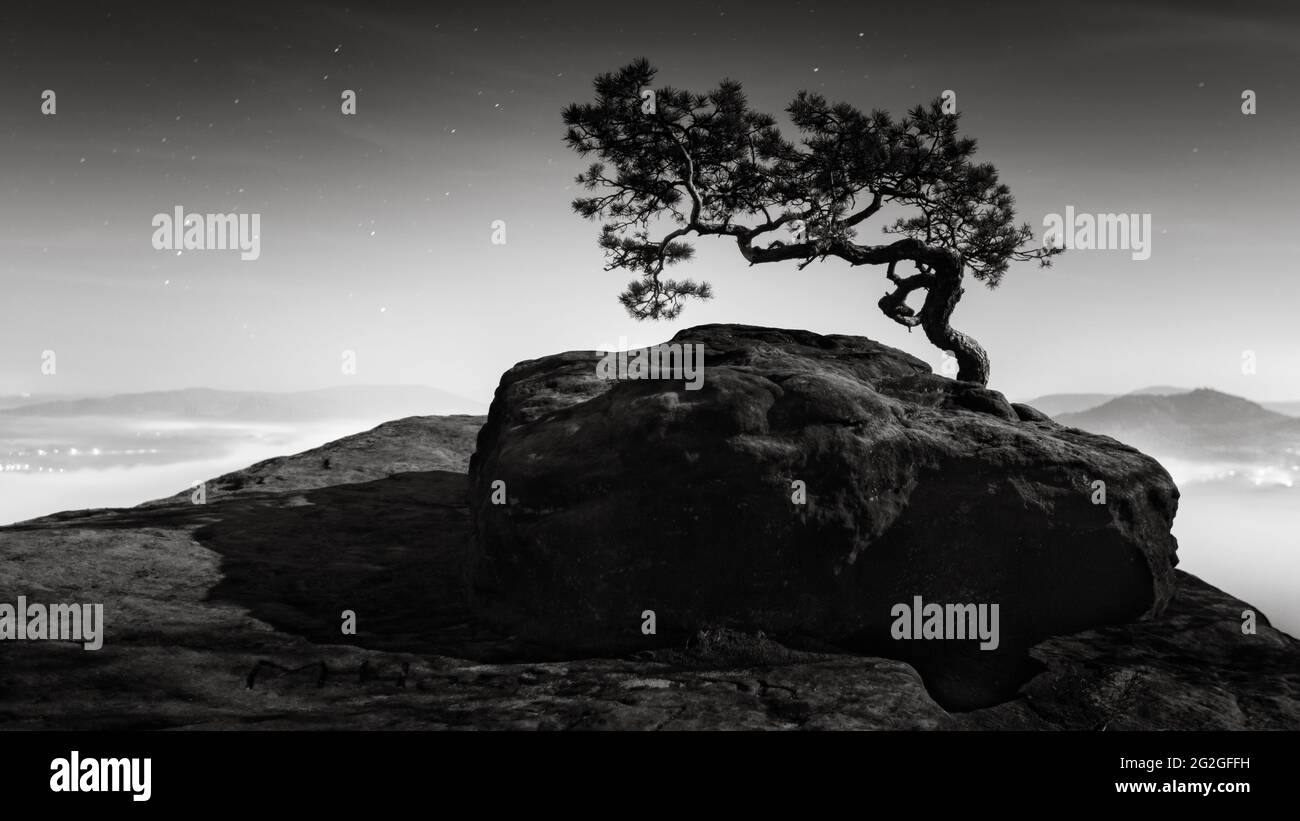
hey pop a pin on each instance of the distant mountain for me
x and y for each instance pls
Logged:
(387, 401)
(18, 400)
(1054, 404)
(1288, 408)
(1201, 424)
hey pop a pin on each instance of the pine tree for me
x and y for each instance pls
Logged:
(675, 165)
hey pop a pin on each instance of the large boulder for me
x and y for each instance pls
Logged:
(809, 487)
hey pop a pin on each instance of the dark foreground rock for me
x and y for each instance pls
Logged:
(226, 616)
(624, 496)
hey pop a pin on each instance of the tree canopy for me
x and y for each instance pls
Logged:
(672, 165)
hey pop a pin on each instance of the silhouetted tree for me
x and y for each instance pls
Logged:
(706, 164)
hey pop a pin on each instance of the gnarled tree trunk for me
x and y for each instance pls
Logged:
(944, 292)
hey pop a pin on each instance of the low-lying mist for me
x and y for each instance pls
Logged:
(53, 465)
(1243, 538)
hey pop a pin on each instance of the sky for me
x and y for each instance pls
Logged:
(376, 228)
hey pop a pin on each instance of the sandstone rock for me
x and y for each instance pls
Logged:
(625, 496)
(202, 596)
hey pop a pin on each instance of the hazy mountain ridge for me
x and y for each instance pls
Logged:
(1056, 404)
(19, 400)
(1202, 422)
(207, 403)
(1203, 435)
